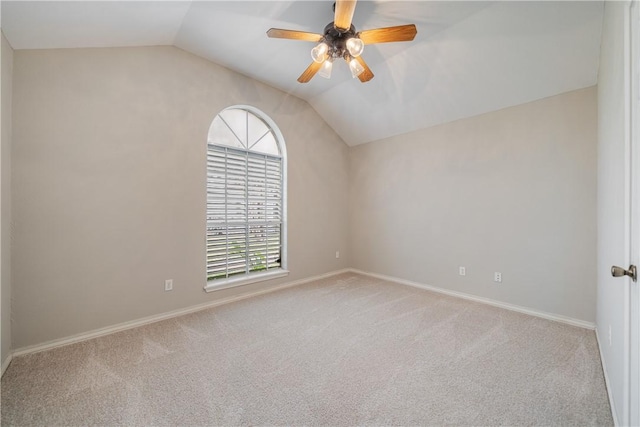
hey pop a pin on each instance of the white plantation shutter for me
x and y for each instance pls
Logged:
(244, 196)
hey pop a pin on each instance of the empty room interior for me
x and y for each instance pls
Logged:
(317, 213)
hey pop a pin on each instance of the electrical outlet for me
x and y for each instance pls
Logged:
(337, 254)
(497, 277)
(462, 271)
(168, 285)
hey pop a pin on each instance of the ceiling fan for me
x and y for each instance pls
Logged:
(340, 40)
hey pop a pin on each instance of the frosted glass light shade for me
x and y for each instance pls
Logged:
(325, 70)
(319, 52)
(355, 67)
(355, 46)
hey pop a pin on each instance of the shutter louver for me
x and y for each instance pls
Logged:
(244, 211)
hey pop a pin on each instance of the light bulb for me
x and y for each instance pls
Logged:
(319, 52)
(355, 46)
(325, 69)
(355, 67)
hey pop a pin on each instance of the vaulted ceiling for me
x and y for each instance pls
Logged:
(468, 58)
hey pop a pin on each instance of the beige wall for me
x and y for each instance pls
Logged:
(5, 203)
(108, 193)
(109, 185)
(512, 191)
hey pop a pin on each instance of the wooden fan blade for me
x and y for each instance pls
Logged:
(344, 13)
(309, 72)
(277, 33)
(366, 75)
(401, 33)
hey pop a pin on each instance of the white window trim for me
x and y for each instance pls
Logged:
(246, 279)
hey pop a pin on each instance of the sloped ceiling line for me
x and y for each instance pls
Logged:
(468, 58)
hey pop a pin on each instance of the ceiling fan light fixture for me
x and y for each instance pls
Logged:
(319, 53)
(325, 70)
(355, 68)
(355, 46)
(340, 39)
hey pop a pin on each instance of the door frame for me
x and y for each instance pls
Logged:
(631, 415)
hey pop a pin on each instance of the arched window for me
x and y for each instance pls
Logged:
(246, 199)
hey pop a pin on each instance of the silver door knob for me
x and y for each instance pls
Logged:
(619, 272)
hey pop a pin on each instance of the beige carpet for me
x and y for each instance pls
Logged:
(348, 350)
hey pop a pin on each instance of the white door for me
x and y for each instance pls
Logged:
(619, 207)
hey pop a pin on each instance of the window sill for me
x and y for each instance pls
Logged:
(217, 285)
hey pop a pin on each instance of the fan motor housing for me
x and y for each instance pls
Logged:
(337, 39)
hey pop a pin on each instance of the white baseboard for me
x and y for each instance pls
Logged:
(158, 317)
(5, 364)
(175, 313)
(500, 304)
(614, 414)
